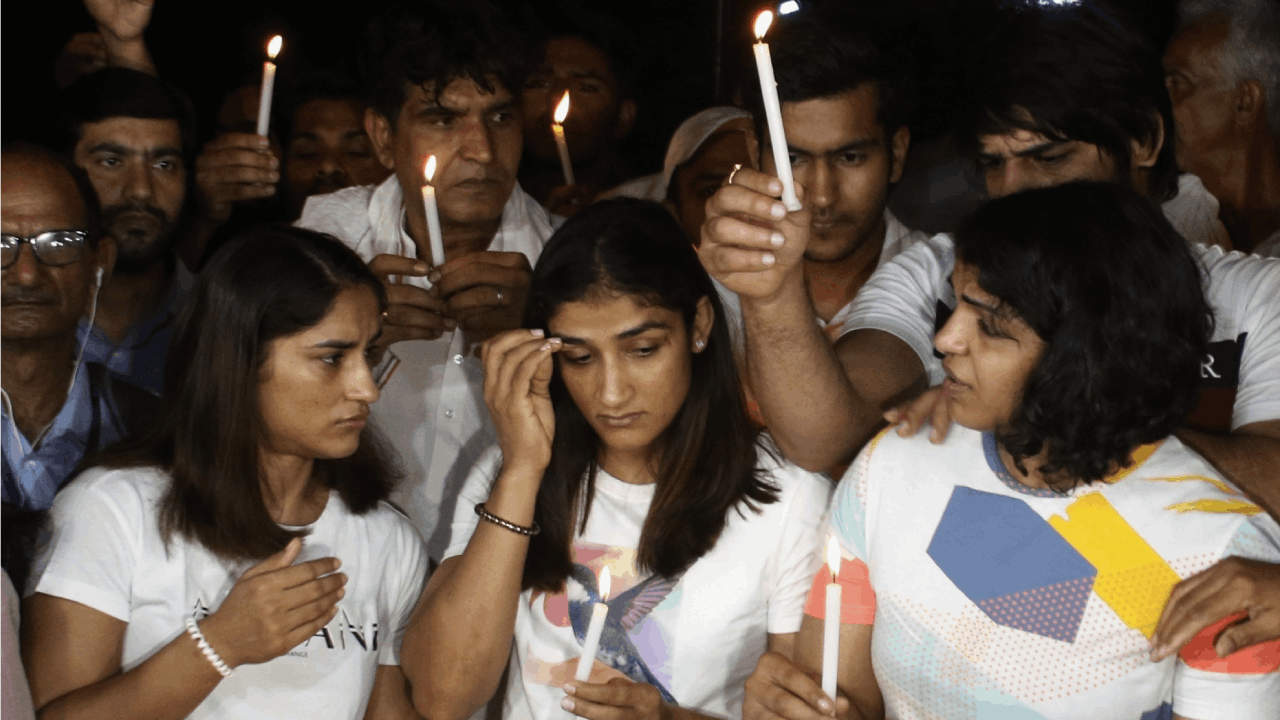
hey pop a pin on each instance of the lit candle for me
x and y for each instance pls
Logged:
(598, 612)
(773, 112)
(831, 623)
(433, 213)
(557, 129)
(268, 85)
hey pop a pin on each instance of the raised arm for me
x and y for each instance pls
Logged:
(821, 404)
(460, 636)
(121, 23)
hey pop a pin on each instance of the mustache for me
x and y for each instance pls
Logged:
(327, 183)
(28, 297)
(111, 213)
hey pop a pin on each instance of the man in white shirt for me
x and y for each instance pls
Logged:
(834, 402)
(846, 100)
(1222, 67)
(441, 76)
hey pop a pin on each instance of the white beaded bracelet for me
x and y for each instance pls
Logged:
(194, 631)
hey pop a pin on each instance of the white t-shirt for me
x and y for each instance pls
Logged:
(911, 298)
(998, 600)
(106, 552)
(432, 409)
(696, 637)
(1193, 212)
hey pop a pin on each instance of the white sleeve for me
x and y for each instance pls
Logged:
(798, 550)
(1255, 296)
(475, 489)
(409, 556)
(901, 298)
(94, 547)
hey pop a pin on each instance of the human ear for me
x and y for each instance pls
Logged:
(1249, 97)
(625, 120)
(1145, 154)
(378, 128)
(703, 319)
(105, 257)
(899, 145)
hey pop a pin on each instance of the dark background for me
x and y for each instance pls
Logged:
(209, 47)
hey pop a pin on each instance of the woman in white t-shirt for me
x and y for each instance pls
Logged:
(239, 560)
(624, 447)
(1019, 568)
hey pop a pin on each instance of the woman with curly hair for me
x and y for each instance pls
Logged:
(1019, 568)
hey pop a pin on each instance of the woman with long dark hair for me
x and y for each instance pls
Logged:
(239, 560)
(625, 449)
(1019, 567)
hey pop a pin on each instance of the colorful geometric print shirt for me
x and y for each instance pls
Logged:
(1000, 602)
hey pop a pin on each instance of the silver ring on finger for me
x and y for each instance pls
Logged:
(736, 168)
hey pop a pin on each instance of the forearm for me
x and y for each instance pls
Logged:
(460, 638)
(1250, 461)
(129, 53)
(167, 686)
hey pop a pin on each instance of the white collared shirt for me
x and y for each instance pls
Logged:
(432, 407)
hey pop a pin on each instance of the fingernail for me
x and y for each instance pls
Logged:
(778, 211)
(824, 705)
(274, 176)
(555, 341)
(935, 437)
(420, 268)
(775, 186)
(538, 332)
(567, 703)
(433, 276)
(263, 142)
(903, 428)
(570, 688)
(777, 239)
(274, 162)
(768, 259)
(891, 417)
(342, 592)
(545, 346)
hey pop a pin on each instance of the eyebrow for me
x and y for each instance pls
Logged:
(624, 335)
(118, 149)
(315, 136)
(434, 108)
(1028, 152)
(335, 344)
(859, 144)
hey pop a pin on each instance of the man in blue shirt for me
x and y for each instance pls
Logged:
(56, 408)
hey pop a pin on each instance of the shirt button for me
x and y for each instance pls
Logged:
(457, 359)
(448, 413)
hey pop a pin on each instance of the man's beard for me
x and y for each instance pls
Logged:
(144, 235)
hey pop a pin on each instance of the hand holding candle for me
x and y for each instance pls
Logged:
(831, 623)
(557, 129)
(773, 112)
(268, 85)
(598, 612)
(432, 212)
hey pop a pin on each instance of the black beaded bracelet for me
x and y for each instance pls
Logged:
(519, 529)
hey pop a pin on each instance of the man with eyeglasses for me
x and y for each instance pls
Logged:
(56, 408)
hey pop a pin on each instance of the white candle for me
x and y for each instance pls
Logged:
(773, 112)
(831, 623)
(598, 612)
(268, 85)
(432, 212)
(557, 129)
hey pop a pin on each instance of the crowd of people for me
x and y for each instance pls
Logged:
(1016, 394)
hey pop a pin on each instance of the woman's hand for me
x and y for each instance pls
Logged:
(619, 699)
(274, 607)
(517, 378)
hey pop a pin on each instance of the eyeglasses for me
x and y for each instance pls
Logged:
(54, 248)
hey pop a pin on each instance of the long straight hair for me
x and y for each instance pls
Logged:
(269, 283)
(707, 458)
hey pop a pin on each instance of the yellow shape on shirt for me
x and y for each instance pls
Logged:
(1132, 578)
(1217, 506)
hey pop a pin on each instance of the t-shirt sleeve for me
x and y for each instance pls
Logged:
(409, 557)
(797, 550)
(901, 298)
(1257, 298)
(1246, 684)
(475, 489)
(93, 549)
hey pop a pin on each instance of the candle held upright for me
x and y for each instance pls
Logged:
(831, 623)
(268, 85)
(773, 111)
(432, 212)
(557, 129)
(592, 643)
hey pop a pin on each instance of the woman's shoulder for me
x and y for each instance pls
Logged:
(384, 524)
(142, 485)
(793, 483)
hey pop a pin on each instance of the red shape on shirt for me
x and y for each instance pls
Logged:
(1253, 660)
(857, 598)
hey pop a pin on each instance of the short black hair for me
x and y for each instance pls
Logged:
(1101, 276)
(439, 41)
(121, 92)
(599, 29)
(314, 83)
(88, 196)
(1070, 73)
(819, 52)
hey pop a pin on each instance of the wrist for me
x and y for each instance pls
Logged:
(215, 636)
(790, 298)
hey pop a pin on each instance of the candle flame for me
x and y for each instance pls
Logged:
(429, 170)
(763, 21)
(273, 47)
(833, 557)
(604, 584)
(562, 110)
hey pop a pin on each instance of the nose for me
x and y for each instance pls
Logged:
(138, 182)
(615, 385)
(360, 386)
(330, 163)
(25, 270)
(952, 339)
(820, 184)
(477, 143)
